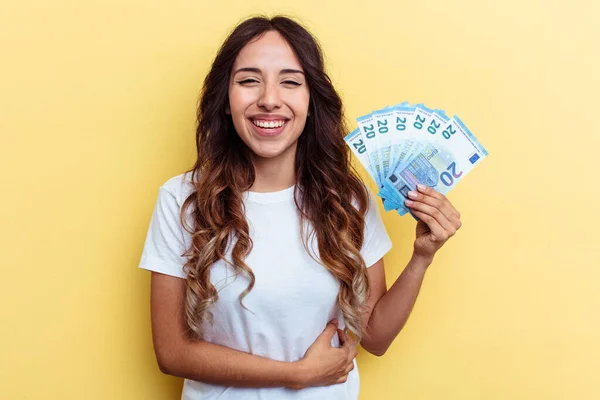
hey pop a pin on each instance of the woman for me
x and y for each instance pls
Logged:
(271, 245)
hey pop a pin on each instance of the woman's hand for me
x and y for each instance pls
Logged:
(324, 365)
(439, 220)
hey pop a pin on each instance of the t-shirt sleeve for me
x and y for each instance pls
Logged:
(377, 242)
(165, 243)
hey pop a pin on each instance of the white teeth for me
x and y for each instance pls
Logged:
(269, 124)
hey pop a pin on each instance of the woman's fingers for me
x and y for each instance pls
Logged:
(353, 352)
(432, 198)
(435, 213)
(349, 368)
(348, 339)
(350, 345)
(344, 377)
(341, 336)
(438, 232)
(445, 204)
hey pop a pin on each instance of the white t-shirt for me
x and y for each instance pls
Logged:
(293, 299)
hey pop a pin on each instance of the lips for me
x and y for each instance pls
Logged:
(268, 123)
(268, 128)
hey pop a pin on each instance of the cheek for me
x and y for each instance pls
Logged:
(299, 105)
(239, 102)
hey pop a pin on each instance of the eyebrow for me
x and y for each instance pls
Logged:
(258, 71)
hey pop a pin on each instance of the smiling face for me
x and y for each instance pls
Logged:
(268, 97)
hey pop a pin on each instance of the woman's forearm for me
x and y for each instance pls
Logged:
(393, 309)
(214, 364)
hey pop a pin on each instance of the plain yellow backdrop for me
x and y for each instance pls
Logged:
(97, 103)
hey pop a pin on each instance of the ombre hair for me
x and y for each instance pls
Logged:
(329, 194)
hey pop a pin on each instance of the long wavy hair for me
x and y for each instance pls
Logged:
(329, 194)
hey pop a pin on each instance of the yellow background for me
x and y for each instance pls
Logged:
(97, 103)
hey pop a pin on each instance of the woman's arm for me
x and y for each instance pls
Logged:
(201, 360)
(389, 310)
(322, 365)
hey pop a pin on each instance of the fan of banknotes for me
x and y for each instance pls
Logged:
(404, 145)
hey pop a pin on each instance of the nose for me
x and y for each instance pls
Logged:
(270, 98)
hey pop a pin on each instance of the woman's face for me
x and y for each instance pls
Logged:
(268, 96)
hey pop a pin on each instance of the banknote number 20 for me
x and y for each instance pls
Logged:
(360, 146)
(419, 122)
(400, 123)
(370, 131)
(382, 126)
(433, 127)
(448, 179)
(448, 132)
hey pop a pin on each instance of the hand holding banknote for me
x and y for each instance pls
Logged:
(416, 155)
(438, 221)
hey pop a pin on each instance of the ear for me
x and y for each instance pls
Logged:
(227, 110)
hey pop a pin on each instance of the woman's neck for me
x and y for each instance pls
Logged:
(274, 174)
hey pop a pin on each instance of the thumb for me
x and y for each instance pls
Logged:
(331, 329)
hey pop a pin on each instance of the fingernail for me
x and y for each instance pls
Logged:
(412, 195)
(421, 187)
(408, 202)
(334, 321)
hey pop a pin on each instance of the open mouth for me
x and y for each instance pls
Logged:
(268, 124)
(268, 127)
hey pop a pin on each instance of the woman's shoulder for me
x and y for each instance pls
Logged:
(179, 186)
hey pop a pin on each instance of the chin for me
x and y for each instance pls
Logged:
(273, 150)
(267, 154)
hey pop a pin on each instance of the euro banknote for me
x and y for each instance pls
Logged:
(407, 144)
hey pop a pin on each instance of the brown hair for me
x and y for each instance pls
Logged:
(328, 192)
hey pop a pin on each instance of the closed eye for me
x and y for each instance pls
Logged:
(292, 83)
(249, 80)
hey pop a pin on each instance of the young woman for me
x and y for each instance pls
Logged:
(266, 256)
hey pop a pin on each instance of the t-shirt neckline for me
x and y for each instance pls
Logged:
(271, 197)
